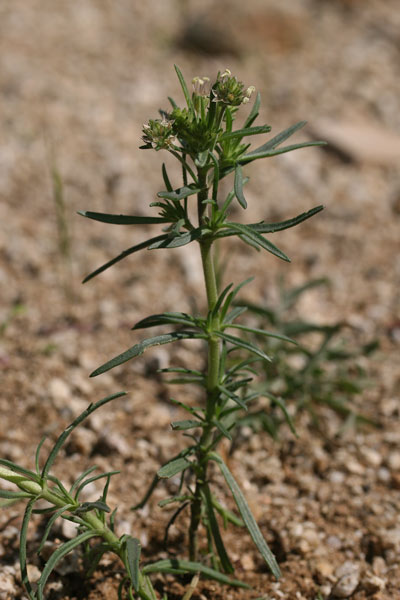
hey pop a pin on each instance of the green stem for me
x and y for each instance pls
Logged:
(214, 355)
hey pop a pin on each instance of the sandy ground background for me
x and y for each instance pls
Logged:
(77, 81)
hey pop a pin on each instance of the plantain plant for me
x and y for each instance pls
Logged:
(201, 136)
(94, 521)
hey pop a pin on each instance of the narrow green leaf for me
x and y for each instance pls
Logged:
(139, 348)
(242, 344)
(184, 88)
(37, 454)
(240, 133)
(59, 554)
(67, 432)
(281, 403)
(235, 313)
(238, 185)
(273, 227)
(133, 550)
(179, 194)
(89, 506)
(173, 467)
(232, 396)
(231, 297)
(258, 239)
(175, 566)
(14, 467)
(247, 517)
(22, 549)
(124, 254)
(267, 153)
(221, 427)
(176, 241)
(121, 219)
(278, 139)
(173, 499)
(166, 178)
(148, 494)
(254, 111)
(50, 524)
(81, 478)
(167, 318)
(187, 424)
(9, 495)
(224, 558)
(278, 336)
(90, 480)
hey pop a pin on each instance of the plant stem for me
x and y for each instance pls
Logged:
(214, 352)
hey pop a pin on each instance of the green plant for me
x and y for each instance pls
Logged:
(201, 137)
(94, 520)
(321, 370)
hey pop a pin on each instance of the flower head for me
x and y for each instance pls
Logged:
(230, 91)
(158, 133)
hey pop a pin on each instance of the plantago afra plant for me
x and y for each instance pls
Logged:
(201, 136)
(94, 521)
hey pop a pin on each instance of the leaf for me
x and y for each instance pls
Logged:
(184, 89)
(258, 239)
(139, 348)
(240, 133)
(254, 111)
(225, 562)
(88, 506)
(221, 427)
(124, 254)
(187, 424)
(121, 219)
(175, 566)
(9, 495)
(273, 227)
(173, 467)
(167, 318)
(22, 549)
(278, 336)
(180, 193)
(278, 139)
(281, 403)
(232, 396)
(238, 186)
(59, 554)
(61, 439)
(133, 549)
(247, 517)
(267, 153)
(83, 484)
(175, 241)
(242, 344)
(166, 178)
(50, 524)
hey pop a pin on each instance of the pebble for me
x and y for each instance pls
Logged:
(393, 461)
(7, 583)
(372, 584)
(59, 391)
(348, 575)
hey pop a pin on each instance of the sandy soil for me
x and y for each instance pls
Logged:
(77, 80)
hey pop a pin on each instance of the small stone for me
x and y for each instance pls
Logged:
(393, 461)
(59, 391)
(372, 457)
(379, 566)
(7, 583)
(69, 529)
(247, 562)
(33, 573)
(348, 579)
(372, 584)
(323, 568)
